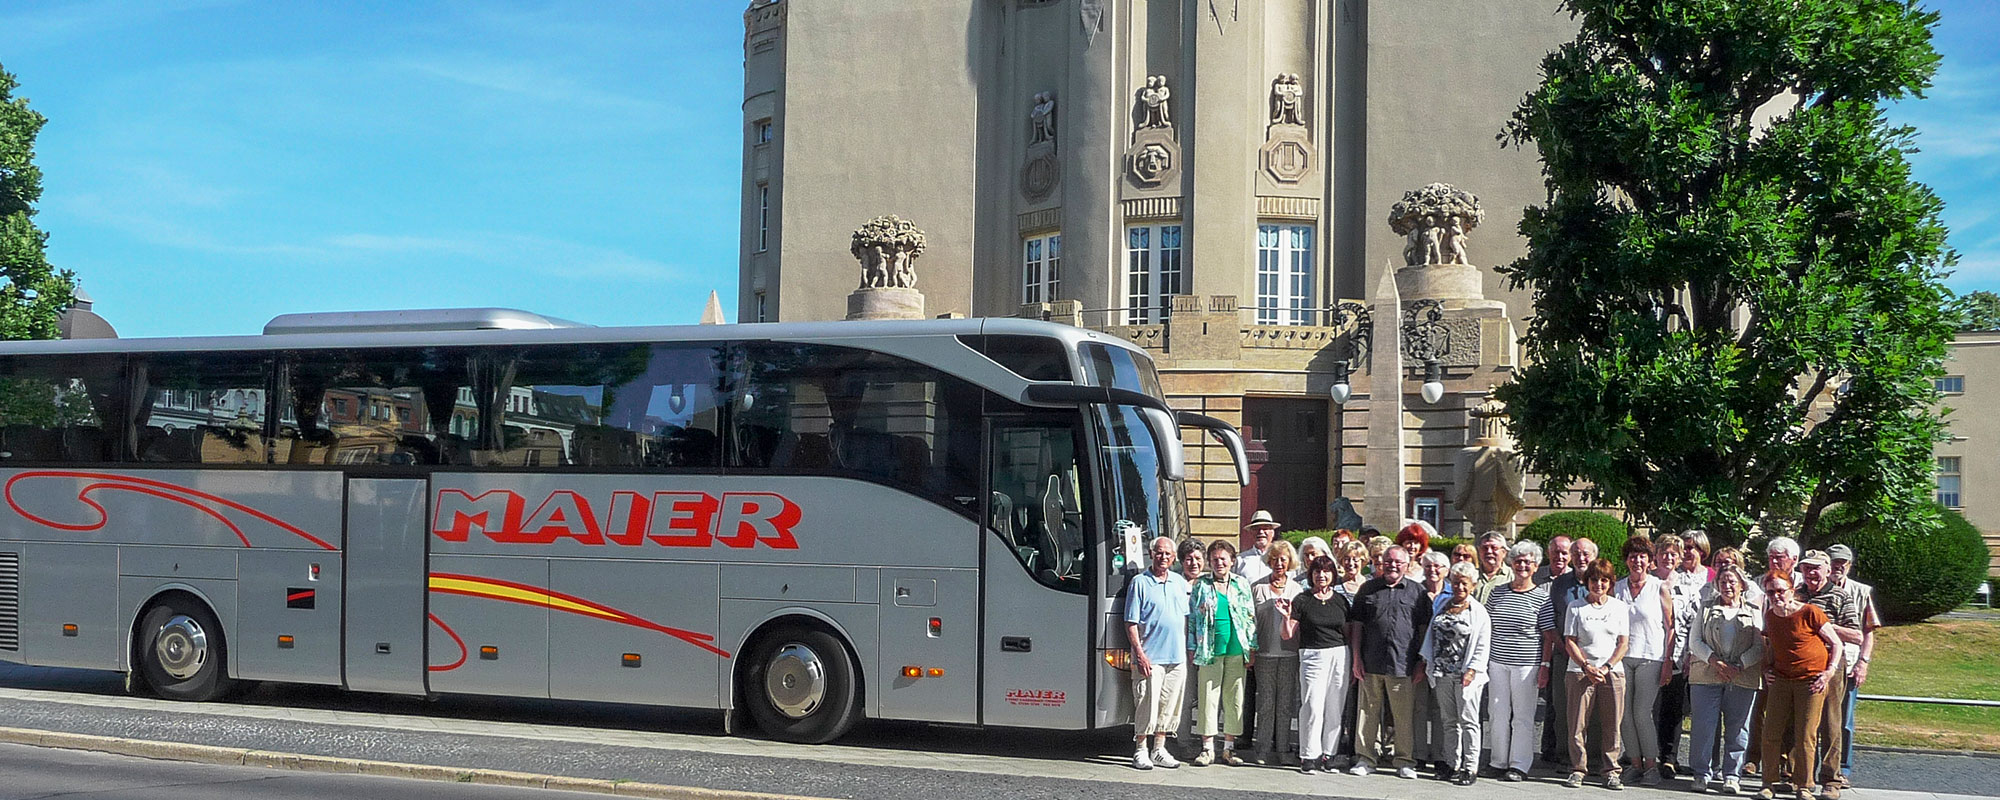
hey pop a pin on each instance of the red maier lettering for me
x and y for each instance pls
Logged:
(625, 523)
(458, 512)
(565, 515)
(752, 517)
(683, 519)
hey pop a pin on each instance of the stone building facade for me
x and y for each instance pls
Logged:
(1969, 458)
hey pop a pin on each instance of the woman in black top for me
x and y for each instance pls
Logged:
(1318, 618)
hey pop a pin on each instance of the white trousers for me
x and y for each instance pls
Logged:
(1324, 674)
(1510, 730)
(1156, 699)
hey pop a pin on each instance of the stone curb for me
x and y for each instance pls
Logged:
(1925, 751)
(237, 756)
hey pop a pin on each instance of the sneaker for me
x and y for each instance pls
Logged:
(1805, 794)
(1701, 785)
(1361, 768)
(1464, 778)
(1667, 770)
(1490, 771)
(1306, 765)
(1574, 781)
(1514, 776)
(1651, 777)
(1766, 793)
(1732, 785)
(1443, 770)
(1162, 758)
(1206, 758)
(1140, 761)
(1612, 782)
(1229, 757)
(1407, 773)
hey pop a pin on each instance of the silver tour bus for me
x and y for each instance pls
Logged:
(801, 523)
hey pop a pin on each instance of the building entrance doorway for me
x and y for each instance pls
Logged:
(1288, 441)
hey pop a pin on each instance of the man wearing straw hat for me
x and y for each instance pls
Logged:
(1250, 563)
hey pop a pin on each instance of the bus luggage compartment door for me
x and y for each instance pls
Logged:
(386, 572)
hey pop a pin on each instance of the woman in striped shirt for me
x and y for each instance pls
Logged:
(1518, 662)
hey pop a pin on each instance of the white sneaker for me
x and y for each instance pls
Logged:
(1164, 759)
(1407, 773)
(1360, 768)
(1701, 785)
(1140, 761)
(1732, 785)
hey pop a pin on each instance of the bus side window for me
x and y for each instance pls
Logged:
(622, 405)
(1035, 505)
(356, 407)
(200, 408)
(59, 409)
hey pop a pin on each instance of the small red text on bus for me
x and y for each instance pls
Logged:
(668, 519)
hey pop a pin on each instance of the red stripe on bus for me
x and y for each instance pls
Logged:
(154, 488)
(298, 595)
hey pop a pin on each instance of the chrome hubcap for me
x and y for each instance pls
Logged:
(795, 680)
(181, 647)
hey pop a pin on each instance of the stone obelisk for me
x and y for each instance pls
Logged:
(1382, 479)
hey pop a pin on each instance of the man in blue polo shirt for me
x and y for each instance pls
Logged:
(1156, 609)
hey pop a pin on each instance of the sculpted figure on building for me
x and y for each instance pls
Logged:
(1285, 96)
(887, 246)
(1153, 104)
(1042, 119)
(1490, 484)
(1435, 221)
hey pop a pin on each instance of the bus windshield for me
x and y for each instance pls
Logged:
(1135, 492)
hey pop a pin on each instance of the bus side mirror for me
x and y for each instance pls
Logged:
(1227, 435)
(1167, 442)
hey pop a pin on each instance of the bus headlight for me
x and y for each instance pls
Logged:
(1119, 659)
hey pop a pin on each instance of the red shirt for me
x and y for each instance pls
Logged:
(1796, 651)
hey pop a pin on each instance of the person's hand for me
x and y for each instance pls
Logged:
(1144, 664)
(1542, 677)
(1249, 661)
(1666, 674)
(1357, 671)
(1417, 679)
(1469, 675)
(1860, 673)
(1727, 671)
(1284, 607)
(1820, 681)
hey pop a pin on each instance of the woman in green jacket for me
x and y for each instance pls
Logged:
(1222, 630)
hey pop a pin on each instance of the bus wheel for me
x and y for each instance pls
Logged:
(181, 653)
(800, 686)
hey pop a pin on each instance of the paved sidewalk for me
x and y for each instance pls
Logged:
(680, 747)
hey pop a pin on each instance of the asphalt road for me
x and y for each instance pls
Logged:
(30, 773)
(879, 761)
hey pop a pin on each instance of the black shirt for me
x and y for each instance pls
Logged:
(1393, 619)
(1322, 623)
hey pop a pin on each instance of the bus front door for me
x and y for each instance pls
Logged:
(1036, 627)
(386, 576)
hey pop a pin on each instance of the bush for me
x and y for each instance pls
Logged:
(1607, 531)
(1919, 572)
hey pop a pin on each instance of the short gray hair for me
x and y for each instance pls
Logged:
(1782, 544)
(1436, 557)
(1490, 535)
(1525, 548)
(1464, 569)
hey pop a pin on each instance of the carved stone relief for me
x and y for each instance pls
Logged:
(1151, 163)
(1154, 158)
(1153, 104)
(1040, 170)
(887, 247)
(1434, 222)
(1042, 119)
(1286, 97)
(1287, 154)
(1091, 14)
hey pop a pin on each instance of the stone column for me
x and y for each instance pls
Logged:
(1382, 481)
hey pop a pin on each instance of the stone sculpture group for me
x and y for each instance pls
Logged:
(1435, 221)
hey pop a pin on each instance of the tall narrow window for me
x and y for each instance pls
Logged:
(763, 217)
(1948, 489)
(1153, 271)
(1284, 274)
(764, 133)
(1041, 268)
(762, 309)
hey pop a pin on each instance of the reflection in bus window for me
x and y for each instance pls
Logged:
(200, 408)
(57, 410)
(1035, 506)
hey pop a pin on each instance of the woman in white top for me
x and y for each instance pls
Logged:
(1277, 668)
(1652, 636)
(1454, 653)
(1595, 637)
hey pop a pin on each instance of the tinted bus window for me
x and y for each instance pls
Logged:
(366, 407)
(1118, 368)
(821, 409)
(1036, 358)
(200, 408)
(60, 410)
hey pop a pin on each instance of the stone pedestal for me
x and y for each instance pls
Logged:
(885, 302)
(1458, 286)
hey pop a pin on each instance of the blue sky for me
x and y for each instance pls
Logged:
(210, 164)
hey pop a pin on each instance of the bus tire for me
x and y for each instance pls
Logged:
(800, 685)
(181, 652)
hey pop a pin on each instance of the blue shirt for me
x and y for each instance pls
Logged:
(1159, 606)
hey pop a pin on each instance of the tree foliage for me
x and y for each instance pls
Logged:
(33, 295)
(1976, 311)
(1919, 571)
(1607, 531)
(1738, 305)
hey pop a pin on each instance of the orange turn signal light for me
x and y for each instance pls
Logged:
(69, 630)
(935, 672)
(913, 672)
(1119, 659)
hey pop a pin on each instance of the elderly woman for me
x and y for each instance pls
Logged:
(1317, 619)
(1799, 646)
(1596, 634)
(1222, 631)
(1277, 656)
(1518, 662)
(1351, 558)
(1464, 552)
(1725, 672)
(1312, 548)
(1431, 739)
(1652, 637)
(1416, 538)
(1455, 652)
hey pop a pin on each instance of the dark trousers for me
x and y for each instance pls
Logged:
(1673, 711)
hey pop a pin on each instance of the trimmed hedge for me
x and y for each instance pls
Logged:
(1922, 572)
(1607, 531)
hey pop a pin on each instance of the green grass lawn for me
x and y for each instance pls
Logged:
(1943, 658)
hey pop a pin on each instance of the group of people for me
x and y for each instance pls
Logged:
(1386, 654)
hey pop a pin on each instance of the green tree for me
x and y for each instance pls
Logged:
(1977, 311)
(1738, 305)
(33, 295)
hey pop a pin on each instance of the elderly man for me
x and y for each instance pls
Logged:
(1156, 609)
(1845, 615)
(1857, 672)
(1391, 614)
(1492, 565)
(1263, 530)
(1565, 590)
(1558, 562)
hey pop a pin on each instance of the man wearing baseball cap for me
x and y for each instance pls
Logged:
(1857, 668)
(1816, 587)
